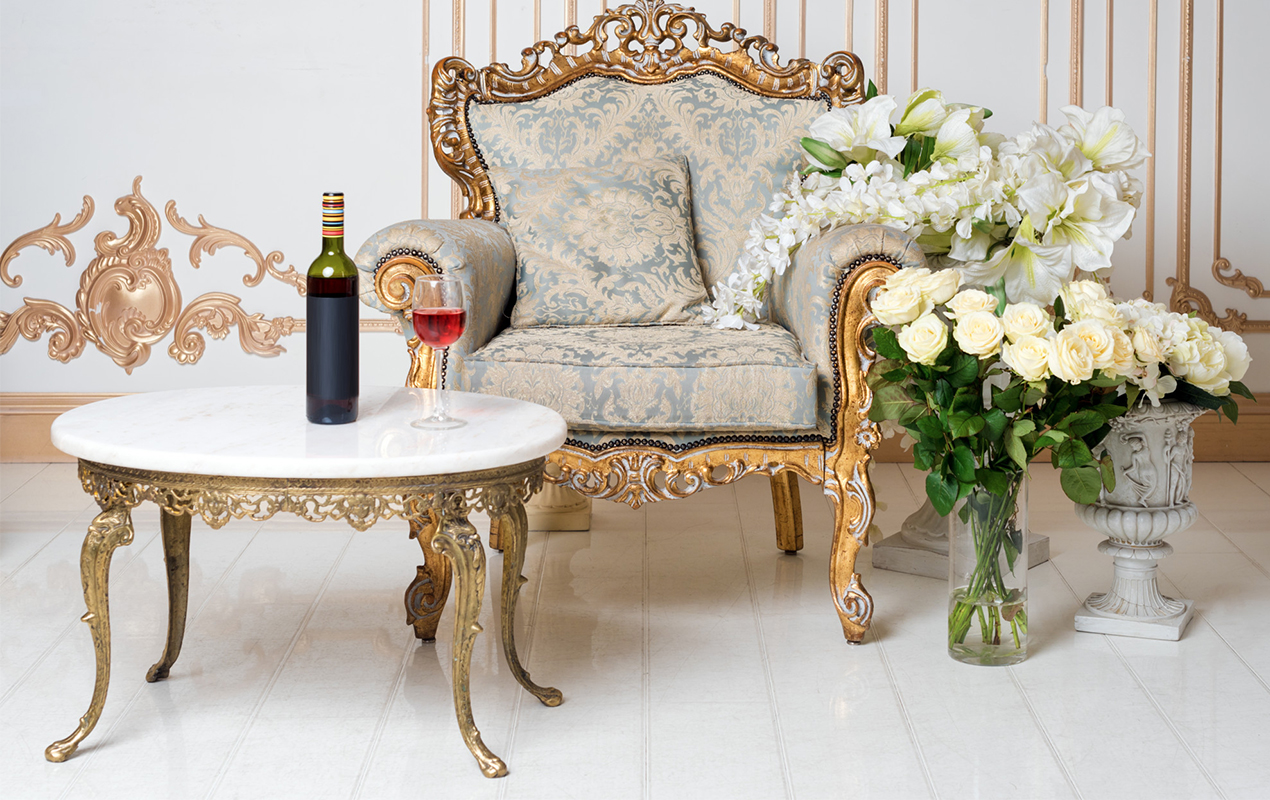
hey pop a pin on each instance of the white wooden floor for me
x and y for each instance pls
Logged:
(697, 661)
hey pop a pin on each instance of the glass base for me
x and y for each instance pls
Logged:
(432, 424)
(987, 655)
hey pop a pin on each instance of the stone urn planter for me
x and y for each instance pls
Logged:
(1151, 449)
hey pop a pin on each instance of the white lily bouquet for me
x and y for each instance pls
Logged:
(1028, 210)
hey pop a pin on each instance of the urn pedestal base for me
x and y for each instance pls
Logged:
(1135, 606)
(921, 546)
(1169, 630)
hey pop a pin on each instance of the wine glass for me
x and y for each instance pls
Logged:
(439, 315)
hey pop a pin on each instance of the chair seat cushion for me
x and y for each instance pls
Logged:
(652, 378)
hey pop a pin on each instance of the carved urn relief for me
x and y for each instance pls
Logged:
(1151, 448)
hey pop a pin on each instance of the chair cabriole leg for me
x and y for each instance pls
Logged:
(789, 512)
(850, 598)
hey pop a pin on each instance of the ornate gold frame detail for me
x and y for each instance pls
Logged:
(436, 507)
(643, 42)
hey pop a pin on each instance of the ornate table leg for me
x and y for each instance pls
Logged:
(426, 595)
(514, 527)
(176, 557)
(458, 540)
(108, 530)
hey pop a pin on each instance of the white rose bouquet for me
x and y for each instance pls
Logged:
(983, 385)
(1028, 210)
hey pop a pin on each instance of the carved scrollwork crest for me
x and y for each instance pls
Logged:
(648, 42)
(128, 298)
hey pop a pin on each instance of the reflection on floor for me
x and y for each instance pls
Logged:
(696, 661)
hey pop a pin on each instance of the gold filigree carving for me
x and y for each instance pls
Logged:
(1237, 280)
(648, 42)
(52, 237)
(128, 298)
(639, 475)
(209, 238)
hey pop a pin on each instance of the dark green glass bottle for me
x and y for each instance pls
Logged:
(332, 324)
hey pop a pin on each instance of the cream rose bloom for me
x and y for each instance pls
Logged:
(970, 301)
(1071, 359)
(1079, 294)
(1123, 361)
(940, 286)
(1099, 337)
(1237, 358)
(924, 339)
(1208, 371)
(979, 333)
(906, 277)
(1147, 346)
(1029, 356)
(900, 304)
(1103, 311)
(1026, 319)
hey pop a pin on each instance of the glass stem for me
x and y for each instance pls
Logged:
(442, 414)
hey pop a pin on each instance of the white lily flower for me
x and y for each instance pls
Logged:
(1033, 273)
(957, 141)
(859, 132)
(924, 113)
(1043, 198)
(1105, 138)
(1091, 222)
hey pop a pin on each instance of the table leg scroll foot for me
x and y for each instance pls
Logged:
(514, 526)
(458, 540)
(110, 529)
(176, 557)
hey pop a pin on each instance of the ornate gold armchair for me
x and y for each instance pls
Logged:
(654, 79)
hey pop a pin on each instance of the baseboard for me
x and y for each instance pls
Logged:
(25, 419)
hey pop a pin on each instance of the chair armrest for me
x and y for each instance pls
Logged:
(478, 251)
(802, 299)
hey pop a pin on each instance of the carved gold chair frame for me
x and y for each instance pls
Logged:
(645, 43)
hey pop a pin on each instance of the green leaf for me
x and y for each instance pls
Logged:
(932, 431)
(962, 464)
(1231, 408)
(1015, 449)
(1082, 422)
(963, 370)
(942, 492)
(1060, 314)
(1023, 427)
(871, 92)
(1072, 453)
(1196, 396)
(966, 400)
(997, 290)
(1009, 400)
(887, 344)
(943, 394)
(964, 425)
(895, 375)
(994, 422)
(1033, 394)
(1050, 438)
(923, 458)
(1082, 484)
(824, 153)
(994, 480)
(1108, 472)
(1237, 387)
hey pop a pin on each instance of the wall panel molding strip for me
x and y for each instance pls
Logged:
(1076, 91)
(1153, 49)
(881, 12)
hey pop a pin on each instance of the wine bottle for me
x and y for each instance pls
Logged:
(332, 324)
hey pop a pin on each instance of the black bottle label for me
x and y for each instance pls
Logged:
(332, 359)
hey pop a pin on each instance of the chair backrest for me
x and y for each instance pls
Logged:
(651, 79)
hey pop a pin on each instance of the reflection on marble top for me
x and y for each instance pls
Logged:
(261, 431)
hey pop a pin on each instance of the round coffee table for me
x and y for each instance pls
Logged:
(248, 451)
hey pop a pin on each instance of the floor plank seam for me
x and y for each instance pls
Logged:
(1257, 565)
(277, 672)
(1146, 691)
(384, 716)
(786, 776)
(530, 628)
(1249, 478)
(6, 578)
(18, 488)
(136, 695)
(8, 695)
(1045, 734)
(875, 638)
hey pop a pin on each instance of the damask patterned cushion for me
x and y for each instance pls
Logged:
(602, 245)
(652, 378)
(739, 146)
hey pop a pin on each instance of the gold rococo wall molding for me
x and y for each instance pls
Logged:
(129, 299)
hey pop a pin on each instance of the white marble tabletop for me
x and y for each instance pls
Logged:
(261, 432)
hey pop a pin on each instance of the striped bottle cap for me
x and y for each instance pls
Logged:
(333, 214)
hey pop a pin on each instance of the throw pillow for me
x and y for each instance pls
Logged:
(602, 246)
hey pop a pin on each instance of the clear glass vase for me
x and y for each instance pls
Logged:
(987, 576)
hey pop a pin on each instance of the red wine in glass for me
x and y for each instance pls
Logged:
(439, 327)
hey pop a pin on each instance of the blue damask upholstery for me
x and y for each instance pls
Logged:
(651, 378)
(610, 244)
(739, 145)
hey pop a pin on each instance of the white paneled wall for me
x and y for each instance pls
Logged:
(244, 111)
